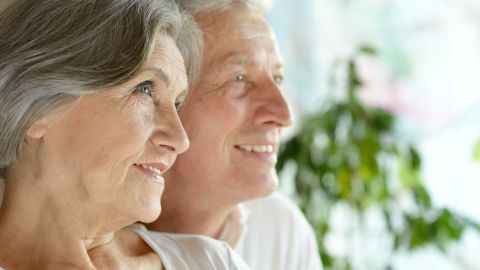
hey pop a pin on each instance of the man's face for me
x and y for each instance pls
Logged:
(235, 113)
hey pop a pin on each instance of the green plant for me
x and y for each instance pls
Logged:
(348, 153)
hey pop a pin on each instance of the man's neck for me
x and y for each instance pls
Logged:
(188, 220)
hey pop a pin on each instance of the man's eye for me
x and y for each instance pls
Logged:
(240, 78)
(278, 79)
(145, 88)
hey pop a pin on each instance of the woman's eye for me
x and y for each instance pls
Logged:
(145, 88)
(178, 105)
(240, 78)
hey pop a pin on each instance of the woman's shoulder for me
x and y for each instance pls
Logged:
(190, 251)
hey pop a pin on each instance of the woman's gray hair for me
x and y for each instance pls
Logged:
(53, 51)
(198, 6)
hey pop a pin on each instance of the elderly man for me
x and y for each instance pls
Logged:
(234, 117)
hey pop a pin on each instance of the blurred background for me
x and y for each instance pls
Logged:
(384, 155)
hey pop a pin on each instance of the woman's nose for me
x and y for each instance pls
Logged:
(169, 132)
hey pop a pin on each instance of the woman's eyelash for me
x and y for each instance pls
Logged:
(178, 105)
(145, 88)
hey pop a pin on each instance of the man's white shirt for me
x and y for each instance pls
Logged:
(277, 236)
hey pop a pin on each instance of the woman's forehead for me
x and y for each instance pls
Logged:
(167, 59)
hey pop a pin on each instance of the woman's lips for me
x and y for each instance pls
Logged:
(152, 171)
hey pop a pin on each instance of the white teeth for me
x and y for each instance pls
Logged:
(260, 148)
(151, 168)
(257, 148)
(157, 174)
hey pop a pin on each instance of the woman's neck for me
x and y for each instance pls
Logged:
(39, 230)
(38, 233)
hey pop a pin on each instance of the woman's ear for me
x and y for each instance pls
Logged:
(38, 129)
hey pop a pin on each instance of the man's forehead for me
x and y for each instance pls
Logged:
(246, 61)
(244, 52)
(246, 27)
(238, 55)
(235, 19)
(247, 47)
(238, 36)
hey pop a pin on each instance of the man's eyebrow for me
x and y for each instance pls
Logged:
(252, 62)
(160, 73)
(279, 66)
(243, 61)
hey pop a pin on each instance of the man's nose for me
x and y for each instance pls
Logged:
(274, 109)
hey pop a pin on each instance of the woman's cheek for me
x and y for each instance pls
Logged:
(140, 125)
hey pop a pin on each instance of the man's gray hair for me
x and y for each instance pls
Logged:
(53, 51)
(199, 6)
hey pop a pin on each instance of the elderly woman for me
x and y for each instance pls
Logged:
(89, 93)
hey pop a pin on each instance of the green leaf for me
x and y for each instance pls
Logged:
(415, 161)
(422, 197)
(366, 49)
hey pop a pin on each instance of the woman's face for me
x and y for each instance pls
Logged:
(108, 150)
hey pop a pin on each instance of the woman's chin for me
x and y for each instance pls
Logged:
(151, 213)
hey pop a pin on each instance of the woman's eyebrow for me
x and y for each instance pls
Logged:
(163, 76)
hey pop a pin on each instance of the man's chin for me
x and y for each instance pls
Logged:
(264, 187)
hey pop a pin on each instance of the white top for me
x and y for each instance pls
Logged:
(190, 252)
(278, 237)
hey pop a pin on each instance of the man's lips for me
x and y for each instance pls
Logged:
(257, 148)
(261, 154)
